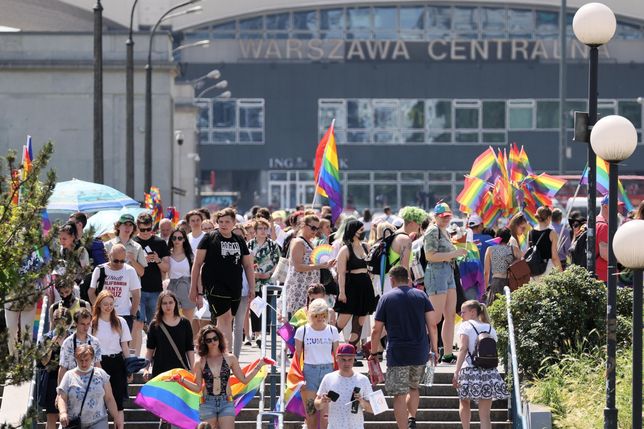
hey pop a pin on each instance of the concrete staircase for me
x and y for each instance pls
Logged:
(438, 410)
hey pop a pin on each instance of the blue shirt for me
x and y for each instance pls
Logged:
(402, 310)
(480, 241)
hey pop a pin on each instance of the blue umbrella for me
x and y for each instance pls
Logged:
(78, 195)
(104, 220)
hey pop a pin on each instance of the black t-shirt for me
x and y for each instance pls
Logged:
(165, 357)
(544, 244)
(221, 274)
(151, 280)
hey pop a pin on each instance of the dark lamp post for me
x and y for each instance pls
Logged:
(614, 139)
(98, 93)
(129, 109)
(627, 245)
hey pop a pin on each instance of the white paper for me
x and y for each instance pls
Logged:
(258, 305)
(378, 402)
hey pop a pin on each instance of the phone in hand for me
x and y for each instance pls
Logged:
(333, 396)
(148, 250)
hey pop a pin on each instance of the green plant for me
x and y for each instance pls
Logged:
(556, 315)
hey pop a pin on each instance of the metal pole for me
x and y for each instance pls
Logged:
(98, 92)
(592, 162)
(129, 110)
(562, 88)
(637, 348)
(610, 412)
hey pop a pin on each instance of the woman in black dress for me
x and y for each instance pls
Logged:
(356, 299)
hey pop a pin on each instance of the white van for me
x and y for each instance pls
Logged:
(580, 204)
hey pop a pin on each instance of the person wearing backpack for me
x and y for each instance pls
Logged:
(477, 377)
(545, 240)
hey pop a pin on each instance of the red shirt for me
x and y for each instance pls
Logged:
(601, 264)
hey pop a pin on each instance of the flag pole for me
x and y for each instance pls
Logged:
(317, 182)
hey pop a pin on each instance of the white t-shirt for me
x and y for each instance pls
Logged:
(180, 268)
(120, 283)
(109, 339)
(340, 415)
(466, 328)
(194, 241)
(318, 345)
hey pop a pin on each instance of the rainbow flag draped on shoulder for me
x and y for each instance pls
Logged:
(327, 172)
(168, 399)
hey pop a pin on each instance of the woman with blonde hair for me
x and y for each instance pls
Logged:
(317, 341)
(113, 335)
(518, 226)
(474, 383)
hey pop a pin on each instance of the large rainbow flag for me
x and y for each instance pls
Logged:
(327, 172)
(603, 185)
(170, 400)
(293, 402)
(243, 393)
(287, 330)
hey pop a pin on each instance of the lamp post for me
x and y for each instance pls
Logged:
(148, 90)
(594, 25)
(629, 252)
(129, 109)
(219, 85)
(614, 139)
(98, 92)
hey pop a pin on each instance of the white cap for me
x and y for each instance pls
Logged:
(474, 220)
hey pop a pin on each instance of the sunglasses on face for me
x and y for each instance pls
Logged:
(313, 227)
(210, 340)
(145, 229)
(118, 261)
(177, 238)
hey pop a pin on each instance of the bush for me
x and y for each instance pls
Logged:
(556, 315)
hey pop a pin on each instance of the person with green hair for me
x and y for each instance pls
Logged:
(413, 214)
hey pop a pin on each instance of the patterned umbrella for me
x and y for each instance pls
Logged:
(78, 195)
(104, 220)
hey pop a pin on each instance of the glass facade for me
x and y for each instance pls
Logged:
(404, 22)
(230, 121)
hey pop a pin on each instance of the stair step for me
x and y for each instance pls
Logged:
(251, 424)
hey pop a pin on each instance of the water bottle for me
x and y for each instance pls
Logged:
(428, 376)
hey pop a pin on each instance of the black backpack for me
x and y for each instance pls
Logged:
(379, 250)
(485, 355)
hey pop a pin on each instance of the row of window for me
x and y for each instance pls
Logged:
(415, 121)
(416, 22)
(405, 121)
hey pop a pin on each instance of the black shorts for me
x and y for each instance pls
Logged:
(220, 305)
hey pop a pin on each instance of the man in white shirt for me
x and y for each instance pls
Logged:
(120, 279)
(343, 382)
(67, 361)
(194, 219)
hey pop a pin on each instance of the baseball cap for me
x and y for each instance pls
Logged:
(474, 220)
(126, 218)
(346, 350)
(605, 200)
(442, 210)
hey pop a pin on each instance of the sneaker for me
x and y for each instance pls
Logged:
(411, 423)
(358, 363)
(259, 344)
(448, 359)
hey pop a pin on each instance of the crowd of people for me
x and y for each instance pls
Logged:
(187, 288)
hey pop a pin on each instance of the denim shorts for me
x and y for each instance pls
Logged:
(313, 375)
(215, 407)
(439, 278)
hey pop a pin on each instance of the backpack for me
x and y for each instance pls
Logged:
(97, 255)
(379, 250)
(533, 257)
(84, 288)
(485, 355)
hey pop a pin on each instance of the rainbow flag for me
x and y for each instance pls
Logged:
(488, 211)
(287, 330)
(319, 156)
(515, 171)
(244, 393)
(470, 268)
(485, 165)
(328, 175)
(293, 402)
(173, 214)
(473, 191)
(603, 182)
(170, 400)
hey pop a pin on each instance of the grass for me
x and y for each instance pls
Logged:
(574, 388)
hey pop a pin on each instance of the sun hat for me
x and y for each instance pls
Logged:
(474, 220)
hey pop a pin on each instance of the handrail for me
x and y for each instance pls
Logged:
(33, 391)
(518, 411)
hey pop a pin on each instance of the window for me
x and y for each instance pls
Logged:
(305, 24)
(231, 121)
(412, 121)
(385, 22)
(606, 107)
(332, 24)
(465, 22)
(547, 114)
(358, 23)
(439, 22)
(412, 23)
(385, 120)
(547, 25)
(493, 23)
(520, 114)
(520, 23)
(439, 120)
(632, 111)
(573, 106)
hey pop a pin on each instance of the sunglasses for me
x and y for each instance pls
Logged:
(313, 227)
(177, 238)
(145, 229)
(118, 261)
(211, 340)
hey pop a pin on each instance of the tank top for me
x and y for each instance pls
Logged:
(501, 258)
(180, 268)
(209, 378)
(355, 263)
(545, 245)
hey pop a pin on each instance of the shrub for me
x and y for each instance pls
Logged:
(556, 315)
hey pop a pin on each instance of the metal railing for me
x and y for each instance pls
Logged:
(519, 420)
(33, 386)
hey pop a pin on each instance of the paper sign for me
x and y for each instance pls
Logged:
(258, 305)
(378, 402)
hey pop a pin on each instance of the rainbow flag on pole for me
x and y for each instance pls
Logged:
(293, 402)
(243, 393)
(287, 330)
(327, 172)
(168, 399)
(603, 184)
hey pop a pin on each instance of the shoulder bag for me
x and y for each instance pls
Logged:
(174, 346)
(76, 422)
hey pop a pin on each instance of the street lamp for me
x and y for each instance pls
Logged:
(219, 85)
(629, 252)
(98, 92)
(594, 25)
(614, 139)
(203, 43)
(129, 109)
(148, 88)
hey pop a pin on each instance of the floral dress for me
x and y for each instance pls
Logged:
(74, 385)
(297, 283)
(266, 258)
